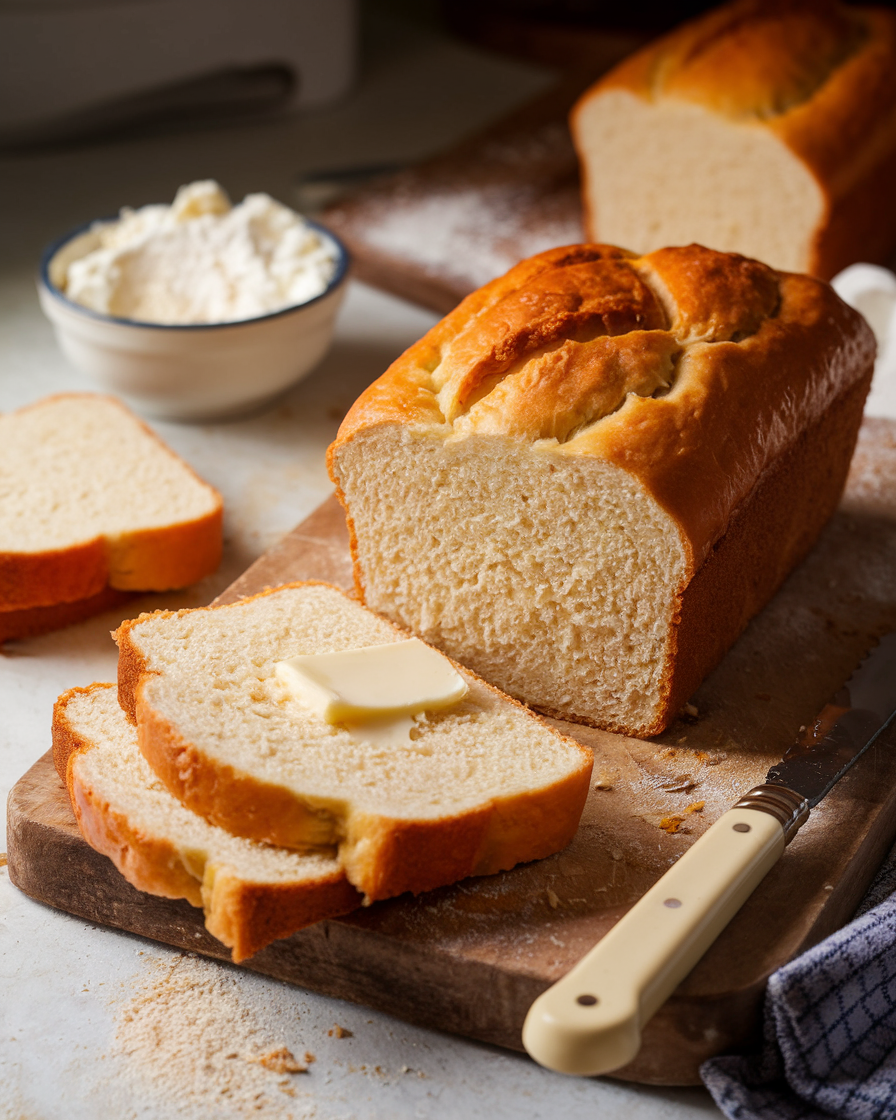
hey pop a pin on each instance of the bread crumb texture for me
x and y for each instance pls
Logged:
(534, 485)
(200, 1049)
(75, 467)
(476, 788)
(732, 131)
(92, 502)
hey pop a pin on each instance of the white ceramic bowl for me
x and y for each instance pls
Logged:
(195, 372)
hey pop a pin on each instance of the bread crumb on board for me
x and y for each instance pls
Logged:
(339, 1032)
(673, 824)
(2, 859)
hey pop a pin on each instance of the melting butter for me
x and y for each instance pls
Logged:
(394, 731)
(375, 683)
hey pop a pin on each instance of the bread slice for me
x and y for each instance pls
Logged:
(31, 621)
(477, 788)
(585, 480)
(91, 499)
(252, 894)
(764, 129)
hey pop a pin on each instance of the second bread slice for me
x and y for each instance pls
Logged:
(481, 787)
(251, 894)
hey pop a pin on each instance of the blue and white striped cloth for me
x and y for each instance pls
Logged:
(829, 1047)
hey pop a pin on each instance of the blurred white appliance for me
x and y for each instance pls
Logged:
(70, 68)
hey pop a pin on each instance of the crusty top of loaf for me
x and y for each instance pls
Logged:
(818, 73)
(689, 368)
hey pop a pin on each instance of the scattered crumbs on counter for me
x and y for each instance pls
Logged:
(603, 783)
(189, 1036)
(2, 859)
(552, 899)
(339, 1032)
(309, 1057)
(280, 1060)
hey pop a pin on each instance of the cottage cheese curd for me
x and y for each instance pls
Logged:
(199, 260)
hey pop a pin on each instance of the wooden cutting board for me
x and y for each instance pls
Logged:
(471, 958)
(436, 231)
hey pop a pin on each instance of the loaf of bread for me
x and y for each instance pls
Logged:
(585, 480)
(767, 129)
(474, 789)
(91, 501)
(251, 893)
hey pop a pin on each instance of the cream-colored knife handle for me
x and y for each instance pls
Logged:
(590, 1021)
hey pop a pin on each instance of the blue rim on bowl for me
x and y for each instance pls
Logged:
(342, 266)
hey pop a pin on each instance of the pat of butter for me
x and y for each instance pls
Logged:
(376, 682)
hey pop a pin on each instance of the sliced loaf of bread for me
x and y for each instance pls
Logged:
(475, 789)
(91, 499)
(586, 479)
(764, 128)
(251, 893)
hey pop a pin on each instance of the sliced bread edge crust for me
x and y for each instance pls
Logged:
(244, 915)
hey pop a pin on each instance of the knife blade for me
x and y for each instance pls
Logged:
(590, 1021)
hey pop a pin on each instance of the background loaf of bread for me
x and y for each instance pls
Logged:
(768, 129)
(585, 480)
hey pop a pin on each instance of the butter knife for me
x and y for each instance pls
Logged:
(590, 1021)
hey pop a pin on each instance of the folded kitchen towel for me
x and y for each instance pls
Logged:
(829, 1047)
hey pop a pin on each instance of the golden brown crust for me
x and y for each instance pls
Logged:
(393, 856)
(235, 801)
(248, 916)
(769, 534)
(45, 579)
(382, 856)
(759, 361)
(32, 621)
(156, 559)
(245, 916)
(65, 741)
(757, 355)
(818, 74)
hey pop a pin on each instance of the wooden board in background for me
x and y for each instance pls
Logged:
(471, 958)
(434, 232)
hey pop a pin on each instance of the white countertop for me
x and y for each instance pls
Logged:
(78, 1003)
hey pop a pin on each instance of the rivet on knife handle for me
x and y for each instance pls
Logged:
(590, 1021)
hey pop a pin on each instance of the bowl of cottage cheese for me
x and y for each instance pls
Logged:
(197, 310)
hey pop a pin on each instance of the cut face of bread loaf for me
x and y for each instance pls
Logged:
(474, 789)
(251, 893)
(91, 499)
(586, 479)
(769, 130)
